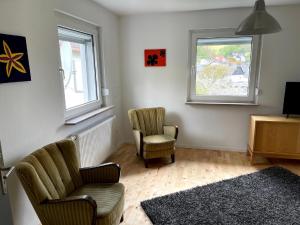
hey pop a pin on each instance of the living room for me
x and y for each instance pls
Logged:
(213, 134)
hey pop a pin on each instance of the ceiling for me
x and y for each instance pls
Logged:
(127, 7)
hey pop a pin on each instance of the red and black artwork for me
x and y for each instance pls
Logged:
(155, 57)
(14, 65)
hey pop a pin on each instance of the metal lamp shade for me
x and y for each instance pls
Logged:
(258, 22)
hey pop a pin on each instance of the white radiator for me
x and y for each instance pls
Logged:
(94, 145)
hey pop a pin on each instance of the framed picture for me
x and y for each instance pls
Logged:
(14, 64)
(155, 57)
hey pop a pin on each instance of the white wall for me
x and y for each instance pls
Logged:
(203, 126)
(32, 113)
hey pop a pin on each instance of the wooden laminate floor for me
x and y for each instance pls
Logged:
(193, 167)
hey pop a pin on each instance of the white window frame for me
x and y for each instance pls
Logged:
(254, 71)
(71, 23)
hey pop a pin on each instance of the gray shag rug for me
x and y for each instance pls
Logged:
(267, 197)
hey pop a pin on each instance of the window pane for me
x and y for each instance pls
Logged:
(223, 66)
(77, 60)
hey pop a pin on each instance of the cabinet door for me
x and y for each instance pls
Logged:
(5, 213)
(277, 137)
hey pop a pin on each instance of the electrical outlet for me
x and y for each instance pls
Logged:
(258, 91)
(105, 92)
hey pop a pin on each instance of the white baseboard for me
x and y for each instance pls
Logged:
(209, 147)
(213, 147)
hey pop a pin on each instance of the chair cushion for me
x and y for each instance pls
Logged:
(109, 199)
(158, 142)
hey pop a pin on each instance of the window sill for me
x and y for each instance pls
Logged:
(87, 116)
(221, 103)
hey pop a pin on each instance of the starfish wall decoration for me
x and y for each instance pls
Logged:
(11, 60)
(14, 62)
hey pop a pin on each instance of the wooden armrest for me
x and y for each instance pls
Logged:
(104, 173)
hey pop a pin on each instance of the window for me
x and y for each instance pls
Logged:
(224, 67)
(79, 66)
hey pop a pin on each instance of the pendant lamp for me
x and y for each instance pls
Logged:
(258, 22)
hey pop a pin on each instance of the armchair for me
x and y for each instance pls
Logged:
(153, 138)
(64, 194)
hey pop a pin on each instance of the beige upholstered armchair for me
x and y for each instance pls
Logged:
(63, 194)
(153, 138)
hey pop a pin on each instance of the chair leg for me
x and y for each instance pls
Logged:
(146, 163)
(173, 158)
(122, 219)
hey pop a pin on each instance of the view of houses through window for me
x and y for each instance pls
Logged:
(223, 66)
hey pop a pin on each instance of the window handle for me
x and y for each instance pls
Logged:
(62, 73)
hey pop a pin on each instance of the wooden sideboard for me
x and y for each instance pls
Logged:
(274, 137)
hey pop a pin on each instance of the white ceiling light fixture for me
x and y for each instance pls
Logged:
(259, 22)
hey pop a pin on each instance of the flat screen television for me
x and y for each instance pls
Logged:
(291, 105)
